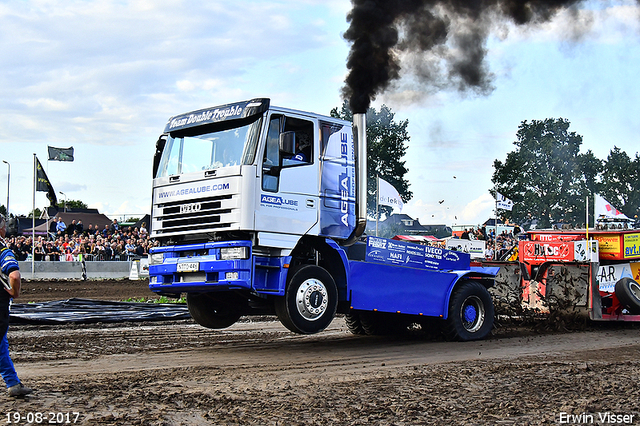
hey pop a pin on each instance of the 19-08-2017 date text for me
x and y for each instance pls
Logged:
(42, 417)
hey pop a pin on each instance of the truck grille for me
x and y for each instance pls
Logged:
(194, 215)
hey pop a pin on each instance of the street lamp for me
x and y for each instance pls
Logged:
(65, 200)
(8, 180)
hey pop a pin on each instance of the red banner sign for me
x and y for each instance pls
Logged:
(536, 252)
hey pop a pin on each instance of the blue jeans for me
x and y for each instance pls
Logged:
(7, 370)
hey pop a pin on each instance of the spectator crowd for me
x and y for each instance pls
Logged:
(69, 242)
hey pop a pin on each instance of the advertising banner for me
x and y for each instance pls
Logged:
(556, 237)
(475, 248)
(537, 252)
(609, 244)
(609, 275)
(631, 246)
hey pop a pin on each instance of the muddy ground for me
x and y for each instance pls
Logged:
(258, 373)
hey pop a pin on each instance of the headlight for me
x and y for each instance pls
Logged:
(156, 259)
(233, 253)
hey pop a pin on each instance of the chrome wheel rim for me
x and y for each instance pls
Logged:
(312, 299)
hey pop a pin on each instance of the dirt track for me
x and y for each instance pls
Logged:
(258, 373)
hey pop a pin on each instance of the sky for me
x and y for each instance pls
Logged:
(105, 76)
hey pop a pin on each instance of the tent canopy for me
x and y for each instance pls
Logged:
(95, 219)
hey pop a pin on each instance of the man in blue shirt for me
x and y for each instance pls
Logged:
(10, 277)
(60, 226)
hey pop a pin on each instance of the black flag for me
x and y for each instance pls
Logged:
(43, 184)
(60, 154)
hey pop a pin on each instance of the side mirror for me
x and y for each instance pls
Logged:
(156, 157)
(288, 143)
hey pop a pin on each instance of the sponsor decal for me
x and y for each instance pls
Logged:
(451, 256)
(397, 247)
(345, 182)
(193, 190)
(278, 202)
(377, 242)
(211, 115)
(381, 250)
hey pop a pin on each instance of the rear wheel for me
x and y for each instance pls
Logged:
(383, 323)
(352, 319)
(213, 310)
(310, 300)
(628, 293)
(470, 312)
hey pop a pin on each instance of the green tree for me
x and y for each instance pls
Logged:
(621, 180)
(546, 176)
(386, 142)
(37, 212)
(72, 204)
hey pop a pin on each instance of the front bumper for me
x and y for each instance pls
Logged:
(198, 267)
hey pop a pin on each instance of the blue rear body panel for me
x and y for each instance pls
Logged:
(388, 288)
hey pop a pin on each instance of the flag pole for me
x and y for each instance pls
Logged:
(587, 217)
(33, 218)
(377, 201)
(495, 231)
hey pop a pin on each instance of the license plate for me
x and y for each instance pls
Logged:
(188, 266)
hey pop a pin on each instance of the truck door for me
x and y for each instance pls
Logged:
(288, 193)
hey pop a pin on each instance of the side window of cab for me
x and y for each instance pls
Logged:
(301, 132)
(289, 143)
(271, 159)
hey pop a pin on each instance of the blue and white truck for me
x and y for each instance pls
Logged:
(259, 210)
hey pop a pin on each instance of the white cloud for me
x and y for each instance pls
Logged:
(105, 76)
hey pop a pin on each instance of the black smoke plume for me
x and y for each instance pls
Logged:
(442, 42)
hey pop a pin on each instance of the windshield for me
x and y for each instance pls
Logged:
(209, 151)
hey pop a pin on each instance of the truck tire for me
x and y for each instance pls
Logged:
(211, 310)
(383, 324)
(310, 300)
(628, 293)
(352, 319)
(471, 312)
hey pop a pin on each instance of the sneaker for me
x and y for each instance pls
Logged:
(19, 390)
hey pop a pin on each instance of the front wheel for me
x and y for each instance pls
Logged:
(310, 300)
(627, 291)
(471, 312)
(212, 310)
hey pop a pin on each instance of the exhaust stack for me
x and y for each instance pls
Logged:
(360, 149)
